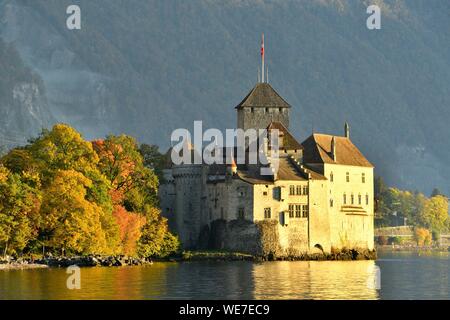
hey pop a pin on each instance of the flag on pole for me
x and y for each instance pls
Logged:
(262, 46)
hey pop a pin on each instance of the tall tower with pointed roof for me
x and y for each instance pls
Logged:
(260, 107)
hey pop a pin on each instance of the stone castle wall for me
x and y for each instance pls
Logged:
(260, 118)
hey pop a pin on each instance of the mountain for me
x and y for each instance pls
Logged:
(147, 67)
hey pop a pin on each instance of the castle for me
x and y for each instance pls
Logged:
(320, 199)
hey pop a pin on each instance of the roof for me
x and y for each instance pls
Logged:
(317, 149)
(263, 95)
(289, 142)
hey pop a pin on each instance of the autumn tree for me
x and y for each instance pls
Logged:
(19, 210)
(73, 223)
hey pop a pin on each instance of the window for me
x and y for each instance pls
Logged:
(363, 178)
(267, 110)
(305, 190)
(367, 199)
(331, 177)
(291, 211)
(298, 212)
(305, 211)
(280, 109)
(291, 190)
(359, 199)
(252, 109)
(347, 177)
(331, 203)
(345, 198)
(299, 190)
(267, 213)
(241, 213)
(352, 197)
(264, 193)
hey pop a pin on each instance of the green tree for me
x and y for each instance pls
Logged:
(434, 215)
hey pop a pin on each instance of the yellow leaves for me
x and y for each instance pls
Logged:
(3, 174)
(422, 236)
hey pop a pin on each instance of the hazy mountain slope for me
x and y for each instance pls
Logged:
(23, 108)
(147, 67)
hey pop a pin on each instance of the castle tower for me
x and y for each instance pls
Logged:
(262, 106)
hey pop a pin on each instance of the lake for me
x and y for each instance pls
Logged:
(392, 276)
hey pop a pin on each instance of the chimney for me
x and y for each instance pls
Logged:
(333, 148)
(347, 130)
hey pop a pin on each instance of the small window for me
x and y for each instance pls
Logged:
(331, 177)
(352, 199)
(264, 193)
(298, 212)
(331, 203)
(359, 199)
(347, 177)
(241, 213)
(299, 190)
(345, 198)
(291, 190)
(305, 190)
(267, 213)
(252, 109)
(291, 211)
(305, 211)
(281, 110)
(367, 199)
(267, 110)
(363, 178)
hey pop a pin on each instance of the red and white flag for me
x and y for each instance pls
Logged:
(262, 46)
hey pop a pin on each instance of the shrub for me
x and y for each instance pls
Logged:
(422, 236)
(382, 240)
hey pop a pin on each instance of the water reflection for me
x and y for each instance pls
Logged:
(314, 280)
(403, 276)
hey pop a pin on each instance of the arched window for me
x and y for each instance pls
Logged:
(347, 176)
(345, 198)
(331, 177)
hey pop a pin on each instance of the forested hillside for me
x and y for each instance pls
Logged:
(147, 67)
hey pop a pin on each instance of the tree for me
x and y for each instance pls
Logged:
(436, 192)
(72, 222)
(153, 159)
(130, 225)
(422, 236)
(19, 207)
(156, 240)
(435, 214)
(63, 148)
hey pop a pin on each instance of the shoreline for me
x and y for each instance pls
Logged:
(186, 256)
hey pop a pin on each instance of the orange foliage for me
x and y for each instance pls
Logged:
(130, 225)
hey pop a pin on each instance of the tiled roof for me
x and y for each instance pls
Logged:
(317, 149)
(263, 95)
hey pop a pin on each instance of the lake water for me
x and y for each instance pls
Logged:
(400, 276)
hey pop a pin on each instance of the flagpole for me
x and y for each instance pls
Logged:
(262, 58)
